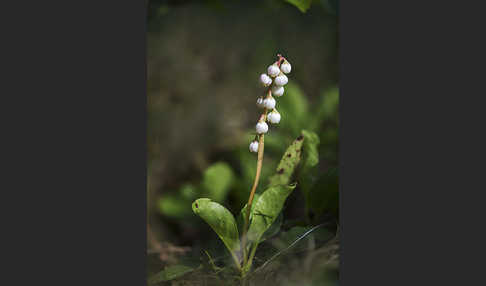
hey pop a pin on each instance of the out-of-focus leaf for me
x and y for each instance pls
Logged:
(294, 108)
(302, 5)
(310, 159)
(221, 221)
(288, 163)
(275, 143)
(170, 273)
(188, 191)
(174, 206)
(326, 110)
(310, 156)
(217, 181)
(324, 195)
(266, 210)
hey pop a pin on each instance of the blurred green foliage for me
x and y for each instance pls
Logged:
(216, 183)
(221, 179)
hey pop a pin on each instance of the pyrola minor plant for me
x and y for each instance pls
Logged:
(255, 218)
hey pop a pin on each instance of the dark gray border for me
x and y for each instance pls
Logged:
(76, 158)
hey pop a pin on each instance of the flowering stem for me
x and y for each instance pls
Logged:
(261, 142)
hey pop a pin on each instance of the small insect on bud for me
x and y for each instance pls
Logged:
(259, 102)
(254, 146)
(281, 80)
(265, 79)
(273, 70)
(269, 103)
(286, 67)
(261, 127)
(277, 90)
(273, 117)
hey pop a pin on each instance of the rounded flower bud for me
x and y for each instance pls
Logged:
(259, 102)
(281, 80)
(273, 70)
(265, 79)
(286, 67)
(261, 127)
(254, 146)
(277, 90)
(273, 117)
(269, 103)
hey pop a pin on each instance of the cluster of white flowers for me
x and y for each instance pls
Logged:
(274, 80)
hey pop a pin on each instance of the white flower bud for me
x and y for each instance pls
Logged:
(269, 103)
(261, 127)
(286, 67)
(281, 80)
(273, 117)
(273, 70)
(259, 102)
(277, 90)
(254, 146)
(265, 79)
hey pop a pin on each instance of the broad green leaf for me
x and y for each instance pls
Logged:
(220, 220)
(174, 206)
(266, 210)
(310, 159)
(241, 218)
(288, 163)
(217, 181)
(273, 229)
(170, 273)
(324, 195)
(294, 108)
(302, 5)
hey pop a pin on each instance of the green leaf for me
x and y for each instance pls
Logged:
(241, 218)
(217, 181)
(288, 163)
(274, 228)
(266, 210)
(310, 159)
(221, 221)
(302, 5)
(174, 206)
(170, 273)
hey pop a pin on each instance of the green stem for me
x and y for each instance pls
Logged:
(252, 254)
